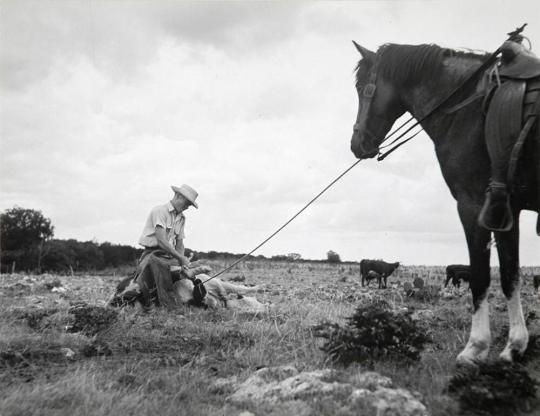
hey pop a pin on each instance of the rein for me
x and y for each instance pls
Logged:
(485, 65)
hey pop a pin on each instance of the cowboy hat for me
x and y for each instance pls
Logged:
(187, 192)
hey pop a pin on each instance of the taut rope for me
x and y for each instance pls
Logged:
(289, 221)
(490, 61)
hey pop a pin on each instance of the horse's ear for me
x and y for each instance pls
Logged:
(366, 53)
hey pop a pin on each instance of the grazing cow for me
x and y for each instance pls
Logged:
(457, 273)
(536, 281)
(378, 266)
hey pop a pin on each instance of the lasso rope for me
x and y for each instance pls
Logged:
(289, 221)
(490, 61)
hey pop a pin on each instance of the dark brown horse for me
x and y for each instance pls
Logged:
(403, 78)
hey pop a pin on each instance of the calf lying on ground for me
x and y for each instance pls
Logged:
(380, 267)
(457, 273)
(217, 294)
(128, 292)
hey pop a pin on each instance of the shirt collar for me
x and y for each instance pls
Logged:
(173, 211)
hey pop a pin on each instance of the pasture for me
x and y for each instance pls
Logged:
(56, 361)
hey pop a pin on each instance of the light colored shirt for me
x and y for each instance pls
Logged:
(166, 217)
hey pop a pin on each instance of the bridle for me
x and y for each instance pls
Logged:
(366, 93)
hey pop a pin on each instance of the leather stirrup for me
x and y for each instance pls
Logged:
(496, 213)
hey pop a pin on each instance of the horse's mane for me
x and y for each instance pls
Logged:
(408, 64)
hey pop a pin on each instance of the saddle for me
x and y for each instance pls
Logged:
(512, 114)
(518, 62)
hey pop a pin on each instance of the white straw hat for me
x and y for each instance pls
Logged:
(188, 192)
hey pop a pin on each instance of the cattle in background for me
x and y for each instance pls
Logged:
(536, 281)
(378, 266)
(457, 273)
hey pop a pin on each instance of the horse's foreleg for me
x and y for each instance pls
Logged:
(477, 347)
(508, 249)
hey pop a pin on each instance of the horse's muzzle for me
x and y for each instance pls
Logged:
(361, 149)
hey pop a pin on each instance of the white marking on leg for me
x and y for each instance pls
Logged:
(518, 336)
(478, 346)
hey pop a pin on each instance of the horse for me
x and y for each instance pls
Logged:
(416, 79)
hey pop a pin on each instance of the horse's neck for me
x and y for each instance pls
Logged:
(458, 137)
(421, 99)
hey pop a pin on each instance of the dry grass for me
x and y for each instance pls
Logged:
(164, 363)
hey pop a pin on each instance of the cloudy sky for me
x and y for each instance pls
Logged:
(105, 104)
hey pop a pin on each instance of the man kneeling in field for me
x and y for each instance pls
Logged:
(164, 276)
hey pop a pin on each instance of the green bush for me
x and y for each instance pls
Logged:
(373, 332)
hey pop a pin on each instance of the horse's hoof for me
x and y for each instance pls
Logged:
(473, 353)
(463, 360)
(512, 352)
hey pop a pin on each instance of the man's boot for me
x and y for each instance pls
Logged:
(496, 214)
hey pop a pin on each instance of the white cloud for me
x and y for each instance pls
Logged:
(106, 104)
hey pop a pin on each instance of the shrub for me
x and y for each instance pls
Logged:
(373, 332)
(494, 388)
(90, 319)
(418, 283)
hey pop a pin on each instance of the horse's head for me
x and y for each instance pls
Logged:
(379, 106)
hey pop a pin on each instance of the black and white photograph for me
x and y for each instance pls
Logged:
(270, 208)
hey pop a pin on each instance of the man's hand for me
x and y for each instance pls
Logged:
(190, 273)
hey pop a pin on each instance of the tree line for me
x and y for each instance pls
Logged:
(27, 243)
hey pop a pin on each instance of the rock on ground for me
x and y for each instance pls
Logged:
(282, 385)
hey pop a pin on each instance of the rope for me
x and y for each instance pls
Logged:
(490, 61)
(289, 221)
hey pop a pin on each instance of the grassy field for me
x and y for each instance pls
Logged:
(165, 362)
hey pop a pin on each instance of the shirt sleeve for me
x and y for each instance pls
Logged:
(159, 217)
(179, 229)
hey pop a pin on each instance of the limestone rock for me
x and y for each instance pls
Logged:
(370, 380)
(423, 315)
(265, 386)
(397, 402)
(286, 388)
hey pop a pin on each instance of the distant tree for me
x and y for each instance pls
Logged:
(294, 256)
(279, 257)
(333, 257)
(23, 235)
(88, 256)
(118, 255)
(59, 257)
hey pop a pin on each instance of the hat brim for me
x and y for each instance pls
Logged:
(179, 191)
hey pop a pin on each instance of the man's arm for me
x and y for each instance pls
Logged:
(164, 244)
(180, 246)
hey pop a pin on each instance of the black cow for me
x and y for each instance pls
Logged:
(457, 273)
(378, 266)
(536, 281)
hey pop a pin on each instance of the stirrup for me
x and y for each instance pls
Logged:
(496, 213)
